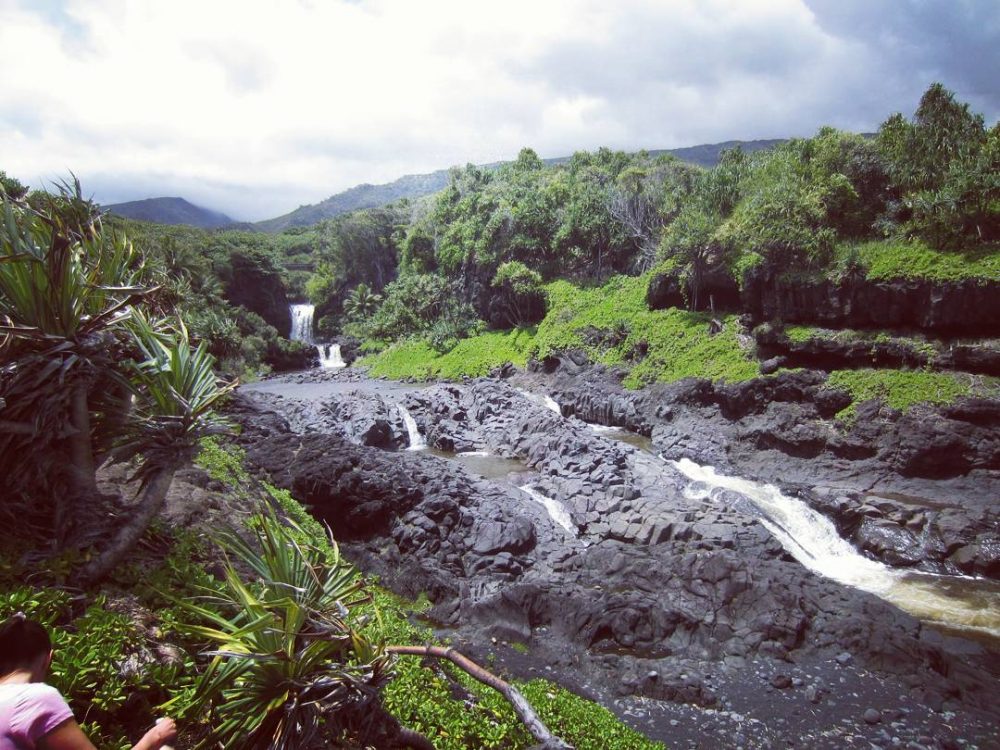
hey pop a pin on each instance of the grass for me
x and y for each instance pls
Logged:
(902, 389)
(914, 259)
(471, 357)
(611, 323)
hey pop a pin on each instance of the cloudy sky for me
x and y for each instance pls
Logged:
(255, 107)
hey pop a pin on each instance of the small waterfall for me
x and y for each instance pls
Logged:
(302, 330)
(956, 602)
(417, 441)
(808, 536)
(302, 323)
(547, 401)
(557, 512)
(329, 356)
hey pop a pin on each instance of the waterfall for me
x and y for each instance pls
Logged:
(557, 512)
(302, 323)
(417, 441)
(302, 330)
(329, 356)
(812, 539)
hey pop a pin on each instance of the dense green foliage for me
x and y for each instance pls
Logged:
(86, 373)
(918, 200)
(611, 323)
(205, 275)
(915, 259)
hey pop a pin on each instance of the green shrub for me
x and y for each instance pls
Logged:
(915, 259)
(902, 389)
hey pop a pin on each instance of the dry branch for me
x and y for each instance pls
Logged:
(521, 706)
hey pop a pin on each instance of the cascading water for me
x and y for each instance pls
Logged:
(963, 604)
(302, 323)
(557, 512)
(544, 400)
(417, 441)
(330, 357)
(302, 330)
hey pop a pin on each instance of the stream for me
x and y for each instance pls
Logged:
(962, 605)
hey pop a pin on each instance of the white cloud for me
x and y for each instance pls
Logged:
(255, 107)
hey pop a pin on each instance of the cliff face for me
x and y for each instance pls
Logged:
(970, 307)
(955, 308)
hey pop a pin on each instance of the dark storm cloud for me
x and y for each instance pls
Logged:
(956, 42)
(258, 107)
(677, 77)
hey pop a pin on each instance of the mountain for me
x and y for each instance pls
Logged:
(359, 196)
(416, 185)
(170, 211)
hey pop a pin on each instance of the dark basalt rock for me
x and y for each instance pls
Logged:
(653, 576)
(830, 351)
(778, 429)
(962, 308)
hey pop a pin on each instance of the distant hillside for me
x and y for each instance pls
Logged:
(416, 185)
(170, 211)
(359, 196)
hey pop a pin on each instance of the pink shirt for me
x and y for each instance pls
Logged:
(28, 712)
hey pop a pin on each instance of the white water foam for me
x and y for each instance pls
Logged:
(302, 323)
(557, 512)
(811, 538)
(473, 453)
(543, 400)
(417, 441)
(330, 357)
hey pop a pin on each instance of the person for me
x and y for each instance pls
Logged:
(33, 715)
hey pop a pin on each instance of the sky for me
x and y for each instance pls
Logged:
(256, 107)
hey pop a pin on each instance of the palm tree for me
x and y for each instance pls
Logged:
(361, 302)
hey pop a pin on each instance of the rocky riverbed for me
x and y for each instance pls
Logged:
(667, 594)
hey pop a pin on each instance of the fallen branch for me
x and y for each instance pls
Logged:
(521, 706)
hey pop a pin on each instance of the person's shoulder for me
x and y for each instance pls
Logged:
(40, 692)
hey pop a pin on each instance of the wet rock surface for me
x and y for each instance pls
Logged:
(917, 489)
(678, 609)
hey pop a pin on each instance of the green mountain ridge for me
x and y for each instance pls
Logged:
(170, 211)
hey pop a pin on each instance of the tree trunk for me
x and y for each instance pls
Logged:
(80, 451)
(154, 493)
(521, 706)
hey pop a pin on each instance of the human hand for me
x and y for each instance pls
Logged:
(164, 732)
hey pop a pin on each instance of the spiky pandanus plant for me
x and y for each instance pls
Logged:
(174, 390)
(289, 668)
(84, 375)
(66, 294)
